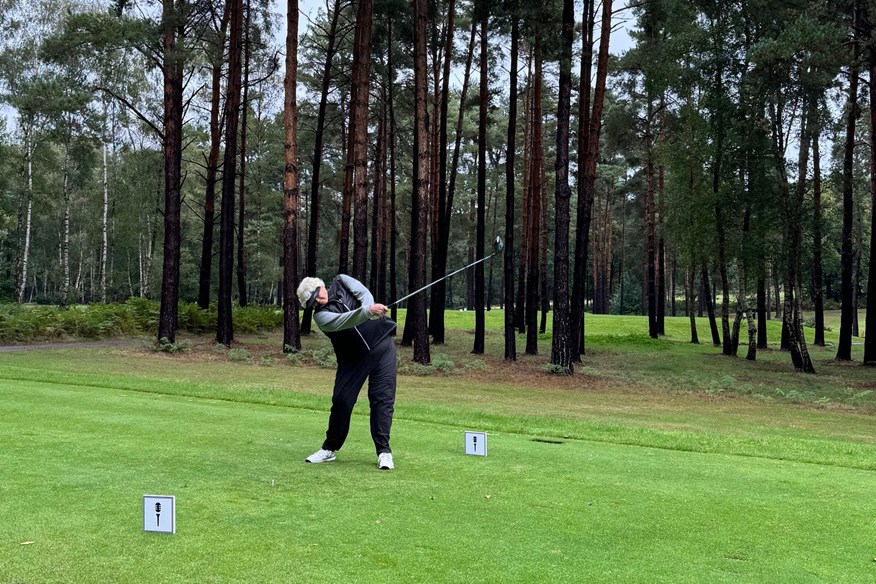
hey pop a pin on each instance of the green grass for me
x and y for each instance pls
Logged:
(665, 470)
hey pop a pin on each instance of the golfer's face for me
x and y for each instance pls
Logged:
(322, 296)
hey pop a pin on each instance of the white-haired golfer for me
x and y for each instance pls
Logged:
(347, 314)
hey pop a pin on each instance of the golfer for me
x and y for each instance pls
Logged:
(360, 333)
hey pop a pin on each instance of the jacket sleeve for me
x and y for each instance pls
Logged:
(357, 289)
(330, 322)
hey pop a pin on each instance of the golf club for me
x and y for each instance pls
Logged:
(499, 246)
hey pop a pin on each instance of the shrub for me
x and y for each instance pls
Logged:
(294, 359)
(553, 369)
(238, 355)
(442, 364)
(165, 346)
(476, 365)
(325, 358)
(267, 361)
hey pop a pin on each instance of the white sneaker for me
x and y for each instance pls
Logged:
(384, 461)
(321, 455)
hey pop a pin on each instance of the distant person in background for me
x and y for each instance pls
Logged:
(360, 333)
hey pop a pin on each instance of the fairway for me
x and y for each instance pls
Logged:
(559, 499)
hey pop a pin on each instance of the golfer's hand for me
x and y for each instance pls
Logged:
(378, 309)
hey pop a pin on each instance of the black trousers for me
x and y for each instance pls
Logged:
(379, 368)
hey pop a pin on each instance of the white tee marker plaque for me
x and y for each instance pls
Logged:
(476, 443)
(159, 513)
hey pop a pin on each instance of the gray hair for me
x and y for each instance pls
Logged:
(307, 291)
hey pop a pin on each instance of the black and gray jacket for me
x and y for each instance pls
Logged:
(346, 319)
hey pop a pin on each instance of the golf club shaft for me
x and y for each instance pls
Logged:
(444, 278)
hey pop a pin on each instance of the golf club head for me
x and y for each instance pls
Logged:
(500, 245)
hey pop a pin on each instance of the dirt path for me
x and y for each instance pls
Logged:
(46, 346)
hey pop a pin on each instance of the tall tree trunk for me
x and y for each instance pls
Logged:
(379, 204)
(25, 257)
(357, 140)
(661, 244)
(224, 323)
(762, 313)
(870, 323)
(439, 256)
(393, 276)
(480, 324)
(650, 251)
(793, 235)
(291, 333)
(511, 193)
(691, 290)
(844, 347)
(818, 278)
(174, 30)
(562, 347)
(446, 191)
(520, 308)
(710, 307)
(535, 174)
(65, 241)
(590, 126)
(205, 282)
(313, 232)
(416, 317)
(242, 296)
(104, 244)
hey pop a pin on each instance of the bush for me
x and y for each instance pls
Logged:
(294, 359)
(238, 355)
(165, 346)
(553, 369)
(325, 358)
(476, 365)
(267, 361)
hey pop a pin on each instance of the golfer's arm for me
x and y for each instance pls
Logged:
(330, 322)
(358, 289)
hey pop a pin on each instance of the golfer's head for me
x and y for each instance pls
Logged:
(312, 291)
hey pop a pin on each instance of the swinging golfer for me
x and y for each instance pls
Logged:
(360, 333)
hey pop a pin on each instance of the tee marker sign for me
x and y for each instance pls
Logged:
(476, 443)
(159, 513)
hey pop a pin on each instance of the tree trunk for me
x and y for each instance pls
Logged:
(357, 140)
(520, 308)
(416, 317)
(393, 276)
(205, 283)
(104, 244)
(291, 333)
(535, 173)
(242, 295)
(762, 313)
(870, 323)
(444, 211)
(480, 324)
(844, 347)
(661, 244)
(313, 232)
(446, 192)
(25, 257)
(651, 284)
(691, 290)
(590, 126)
(174, 30)
(65, 240)
(224, 323)
(710, 307)
(511, 194)
(562, 347)
(817, 277)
